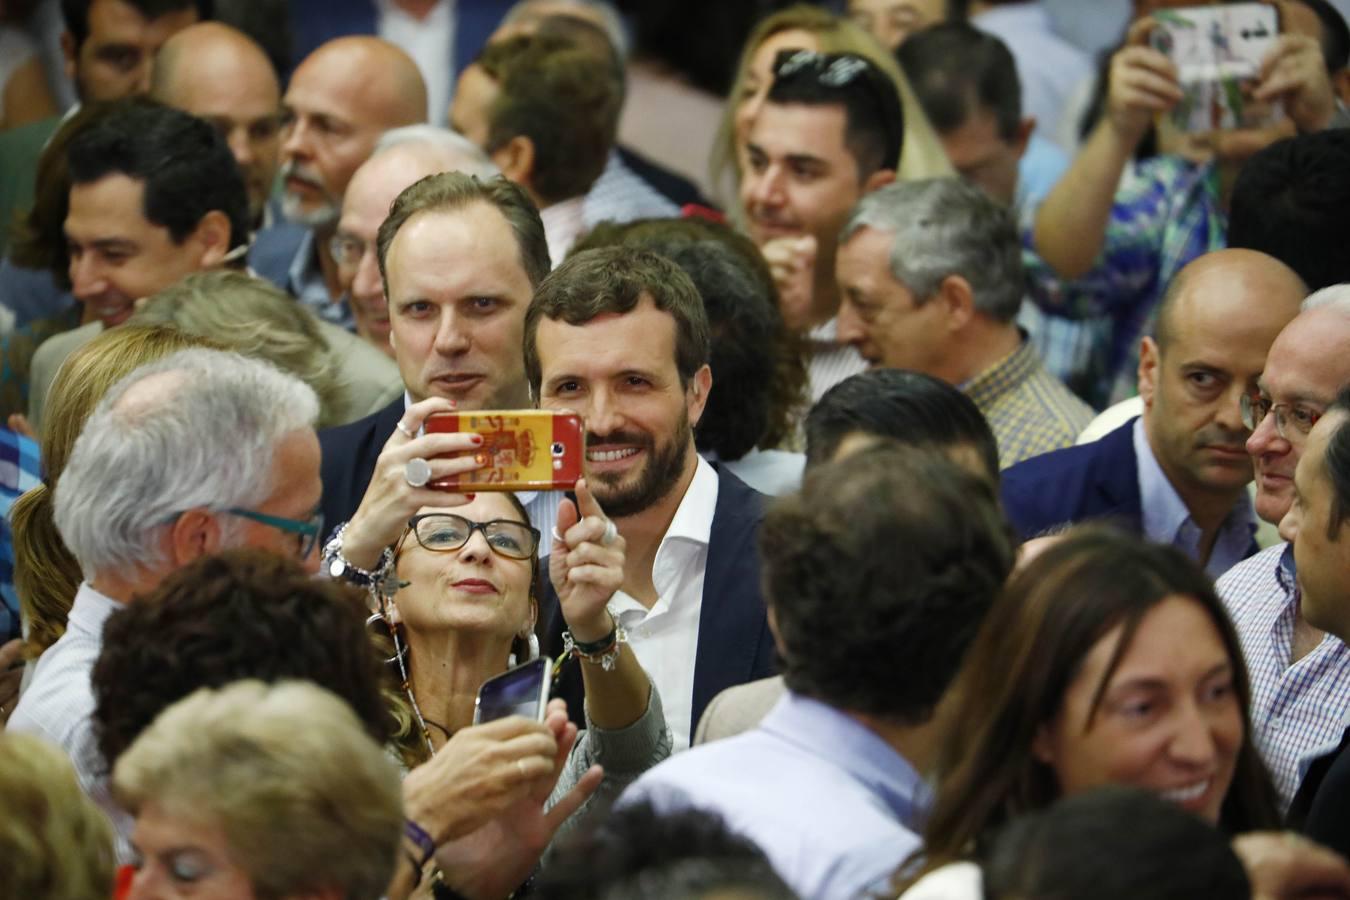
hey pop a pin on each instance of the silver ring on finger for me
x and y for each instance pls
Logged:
(404, 430)
(417, 472)
(520, 766)
(611, 532)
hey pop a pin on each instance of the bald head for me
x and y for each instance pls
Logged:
(1244, 283)
(1215, 329)
(220, 74)
(340, 99)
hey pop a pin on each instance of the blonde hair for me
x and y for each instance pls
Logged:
(306, 799)
(252, 317)
(56, 844)
(46, 574)
(921, 154)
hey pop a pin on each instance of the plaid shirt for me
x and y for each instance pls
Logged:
(19, 471)
(1296, 708)
(1030, 411)
(1166, 213)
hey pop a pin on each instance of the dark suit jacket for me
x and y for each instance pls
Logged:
(1090, 481)
(1321, 808)
(315, 22)
(734, 643)
(349, 454)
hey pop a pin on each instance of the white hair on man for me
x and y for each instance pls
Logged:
(197, 429)
(1336, 296)
(601, 13)
(459, 153)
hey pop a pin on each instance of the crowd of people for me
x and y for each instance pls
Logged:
(964, 496)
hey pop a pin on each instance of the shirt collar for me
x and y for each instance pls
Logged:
(1163, 512)
(825, 333)
(829, 733)
(91, 609)
(1003, 377)
(693, 519)
(1286, 572)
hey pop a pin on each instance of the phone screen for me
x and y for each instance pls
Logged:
(522, 691)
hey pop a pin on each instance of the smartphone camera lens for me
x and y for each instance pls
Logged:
(558, 448)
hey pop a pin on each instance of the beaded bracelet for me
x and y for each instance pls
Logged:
(603, 653)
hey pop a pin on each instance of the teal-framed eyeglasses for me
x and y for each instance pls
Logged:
(307, 531)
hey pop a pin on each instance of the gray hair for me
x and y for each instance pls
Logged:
(461, 154)
(1337, 297)
(943, 227)
(204, 440)
(613, 22)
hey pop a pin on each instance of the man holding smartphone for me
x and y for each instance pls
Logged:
(620, 336)
(459, 259)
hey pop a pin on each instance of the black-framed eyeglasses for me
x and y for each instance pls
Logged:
(1292, 421)
(307, 531)
(444, 532)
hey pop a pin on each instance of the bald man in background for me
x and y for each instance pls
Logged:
(1178, 474)
(340, 100)
(401, 157)
(220, 74)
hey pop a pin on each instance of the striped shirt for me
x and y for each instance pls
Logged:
(1029, 410)
(828, 361)
(1298, 708)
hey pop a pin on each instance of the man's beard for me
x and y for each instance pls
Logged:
(292, 207)
(656, 479)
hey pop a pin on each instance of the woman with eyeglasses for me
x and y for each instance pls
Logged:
(463, 609)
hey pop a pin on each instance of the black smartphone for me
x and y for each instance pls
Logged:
(522, 691)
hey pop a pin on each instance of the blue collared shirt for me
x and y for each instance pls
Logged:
(305, 283)
(1166, 520)
(1299, 708)
(834, 807)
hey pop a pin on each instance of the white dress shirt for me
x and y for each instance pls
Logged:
(830, 362)
(58, 705)
(431, 44)
(665, 638)
(563, 223)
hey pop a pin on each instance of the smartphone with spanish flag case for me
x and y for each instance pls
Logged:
(522, 449)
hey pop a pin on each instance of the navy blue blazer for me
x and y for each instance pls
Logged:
(349, 455)
(734, 643)
(1099, 480)
(315, 22)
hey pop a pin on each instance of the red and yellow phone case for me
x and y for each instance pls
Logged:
(522, 450)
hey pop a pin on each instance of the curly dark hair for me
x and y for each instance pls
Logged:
(757, 362)
(682, 855)
(241, 614)
(891, 554)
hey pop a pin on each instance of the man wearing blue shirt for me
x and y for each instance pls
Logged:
(877, 576)
(1178, 474)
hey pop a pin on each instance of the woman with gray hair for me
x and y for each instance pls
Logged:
(248, 315)
(257, 790)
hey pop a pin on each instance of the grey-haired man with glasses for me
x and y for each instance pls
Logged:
(197, 453)
(1300, 676)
